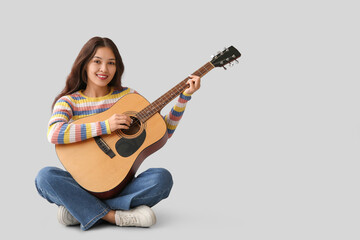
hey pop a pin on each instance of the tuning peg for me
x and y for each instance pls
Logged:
(236, 61)
(224, 67)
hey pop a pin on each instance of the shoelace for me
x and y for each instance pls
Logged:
(128, 220)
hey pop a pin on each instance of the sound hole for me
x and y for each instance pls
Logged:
(134, 127)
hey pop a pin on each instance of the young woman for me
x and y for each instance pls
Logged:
(93, 86)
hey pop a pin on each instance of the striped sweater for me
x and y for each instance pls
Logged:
(71, 107)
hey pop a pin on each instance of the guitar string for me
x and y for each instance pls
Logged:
(173, 92)
(180, 88)
(169, 96)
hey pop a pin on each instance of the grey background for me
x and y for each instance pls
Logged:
(266, 150)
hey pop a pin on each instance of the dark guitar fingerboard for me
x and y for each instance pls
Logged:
(162, 101)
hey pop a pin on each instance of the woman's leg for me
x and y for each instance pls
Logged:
(148, 188)
(57, 186)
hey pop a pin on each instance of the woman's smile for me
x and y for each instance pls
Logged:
(102, 76)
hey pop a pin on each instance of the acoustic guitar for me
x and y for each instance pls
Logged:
(103, 165)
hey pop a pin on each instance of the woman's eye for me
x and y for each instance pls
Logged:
(96, 61)
(111, 63)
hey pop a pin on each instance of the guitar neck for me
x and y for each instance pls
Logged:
(162, 101)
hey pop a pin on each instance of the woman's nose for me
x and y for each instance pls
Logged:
(103, 68)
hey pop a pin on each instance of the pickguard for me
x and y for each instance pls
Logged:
(127, 147)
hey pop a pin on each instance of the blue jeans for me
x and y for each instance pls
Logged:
(57, 186)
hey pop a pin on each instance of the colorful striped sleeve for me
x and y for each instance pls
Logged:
(62, 131)
(173, 118)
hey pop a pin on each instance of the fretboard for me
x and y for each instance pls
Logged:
(162, 101)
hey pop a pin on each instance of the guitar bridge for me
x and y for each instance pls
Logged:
(104, 147)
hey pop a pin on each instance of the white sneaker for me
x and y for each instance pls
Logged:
(141, 216)
(65, 218)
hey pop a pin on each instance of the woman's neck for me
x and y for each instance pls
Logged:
(95, 92)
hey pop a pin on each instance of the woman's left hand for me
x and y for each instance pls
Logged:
(194, 83)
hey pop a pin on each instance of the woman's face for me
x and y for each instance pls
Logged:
(101, 68)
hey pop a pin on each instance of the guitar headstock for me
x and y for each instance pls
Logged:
(225, 57)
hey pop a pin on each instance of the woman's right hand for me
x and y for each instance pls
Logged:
(119, 121)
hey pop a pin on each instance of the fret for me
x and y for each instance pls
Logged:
(160, 103)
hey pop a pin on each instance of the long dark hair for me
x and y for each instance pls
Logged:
(77, 79)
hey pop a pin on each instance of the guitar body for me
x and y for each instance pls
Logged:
(104, 172)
